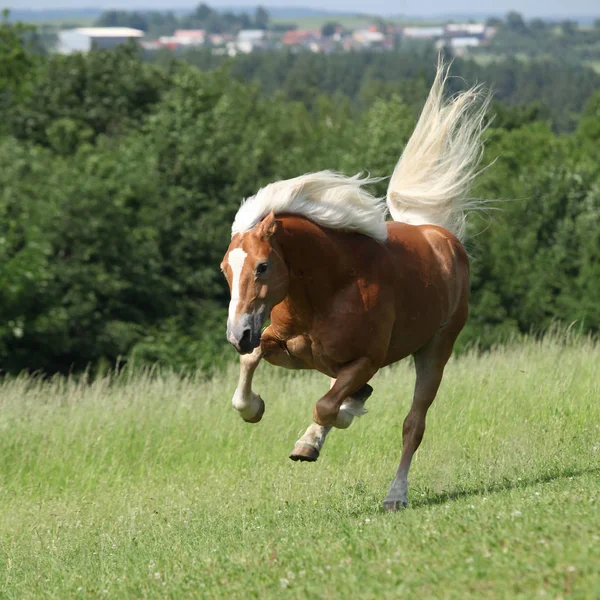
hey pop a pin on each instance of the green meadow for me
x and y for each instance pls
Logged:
(149, 485)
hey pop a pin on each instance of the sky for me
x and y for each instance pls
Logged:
(529, 8)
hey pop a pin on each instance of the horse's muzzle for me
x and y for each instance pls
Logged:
(246, 343)
(243, 336)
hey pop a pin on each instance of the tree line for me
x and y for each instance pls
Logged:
(121, 178)
(558, 90)
(157, 23)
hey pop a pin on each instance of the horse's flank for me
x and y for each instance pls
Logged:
(350, 296)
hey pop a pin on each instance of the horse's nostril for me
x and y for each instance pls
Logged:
(245, 336)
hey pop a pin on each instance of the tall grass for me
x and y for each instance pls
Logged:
(150, 485)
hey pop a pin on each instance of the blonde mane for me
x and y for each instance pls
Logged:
(327, 198)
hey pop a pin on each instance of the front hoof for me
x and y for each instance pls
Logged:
(304, 453)
(259, 415)
(394, 505)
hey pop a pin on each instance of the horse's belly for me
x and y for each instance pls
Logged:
(301, 352)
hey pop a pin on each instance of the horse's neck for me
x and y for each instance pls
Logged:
(315, 265)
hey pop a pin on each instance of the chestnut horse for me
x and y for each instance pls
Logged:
(348, 293)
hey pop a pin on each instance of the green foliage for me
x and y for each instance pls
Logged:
(537, 260)
(16, 60)
(558, 88)
(589, 125)
(120, 180)
(566, 42)
(103, 93)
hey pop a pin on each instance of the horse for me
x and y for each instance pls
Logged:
(348, 291)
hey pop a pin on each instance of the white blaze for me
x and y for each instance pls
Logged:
(236, 262)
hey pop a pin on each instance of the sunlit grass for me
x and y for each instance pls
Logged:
(152, 486)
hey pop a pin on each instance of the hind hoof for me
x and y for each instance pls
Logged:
(394, 505)
(363, 394)
(304, 453)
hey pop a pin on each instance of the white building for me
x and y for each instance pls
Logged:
(247, 41)
(466, 29)
(459, 45)
(254, 36)
(83, 39)
(369, 38)
(423, 33)
(465, 42)
(190, 37)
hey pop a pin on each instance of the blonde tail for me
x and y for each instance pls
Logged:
(432, 179)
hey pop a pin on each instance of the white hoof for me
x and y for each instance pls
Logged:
(250, 409)
(350, 408)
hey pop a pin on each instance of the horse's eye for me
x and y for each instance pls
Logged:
(261, 268)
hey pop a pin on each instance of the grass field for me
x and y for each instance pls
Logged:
(351, 21)
(148, 486)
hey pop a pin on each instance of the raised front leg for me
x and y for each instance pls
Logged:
(309, 446)
(250, 405)
(350, 380)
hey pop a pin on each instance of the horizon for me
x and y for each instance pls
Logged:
(550, 9)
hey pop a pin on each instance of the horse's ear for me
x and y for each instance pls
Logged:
(268, 226)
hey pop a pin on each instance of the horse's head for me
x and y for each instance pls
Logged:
(258, 280)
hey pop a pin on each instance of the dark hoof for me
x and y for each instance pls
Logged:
(394, 505)
(259, 415)
(304, 453)
(363, 393)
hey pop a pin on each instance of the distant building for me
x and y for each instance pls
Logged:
(254, 36)
(423, 33)
(190, 37)
(84, 39)
(466, 30)
(300, 37)
(219, 39)
(151, 45)
(369, 38)
(247, 41)
(464, 42)
(459, 45)
(168, 41)
(182, 38)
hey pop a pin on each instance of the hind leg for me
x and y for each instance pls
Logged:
(429, 364)
(309, 446)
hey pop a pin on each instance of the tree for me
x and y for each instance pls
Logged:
(16, 60)
(329, 28)
(568, 28)
(203, 12)
(537, 25)
(104, 92)
(494, 22)
(589, 125)
(261, 18)
(515, 22)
